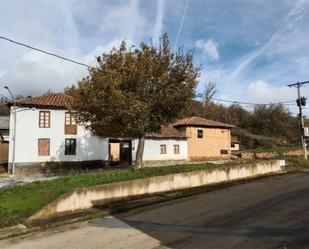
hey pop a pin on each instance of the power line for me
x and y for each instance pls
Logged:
(249, 103)
(45, 52)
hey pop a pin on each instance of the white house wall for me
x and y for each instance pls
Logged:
(152, 149)
(88, 147)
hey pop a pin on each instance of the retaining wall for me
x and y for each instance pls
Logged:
(83, 198)
(268, 154)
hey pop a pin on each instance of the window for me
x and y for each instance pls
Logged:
(44, 119)
(224, 152)
(199, 133)
(70, 146)
(176, 149)
(162, 149)
(44, 147)
(70, 123)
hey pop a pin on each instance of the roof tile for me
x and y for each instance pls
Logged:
(198, 121)
(167, 132)
(55, 100)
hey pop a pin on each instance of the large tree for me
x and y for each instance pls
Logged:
(135, 90)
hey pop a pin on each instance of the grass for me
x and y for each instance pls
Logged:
(19, 202)
(296, 164)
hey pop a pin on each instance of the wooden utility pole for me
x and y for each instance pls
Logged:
(301, 101)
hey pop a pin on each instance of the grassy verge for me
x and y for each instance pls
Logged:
(19, 202)
(296, 163)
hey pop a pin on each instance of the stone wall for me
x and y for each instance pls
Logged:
(268, 154)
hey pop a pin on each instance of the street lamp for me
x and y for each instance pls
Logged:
(14, 130)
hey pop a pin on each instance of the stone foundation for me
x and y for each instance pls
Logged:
(205, 159)
(163, 163)
(51, 168)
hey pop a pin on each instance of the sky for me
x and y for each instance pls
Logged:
(250, 48)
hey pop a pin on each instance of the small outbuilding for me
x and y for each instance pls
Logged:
(234, 144)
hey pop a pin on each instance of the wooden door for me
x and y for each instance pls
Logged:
(126, 153)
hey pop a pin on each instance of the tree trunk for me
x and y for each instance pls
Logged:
(139, 153)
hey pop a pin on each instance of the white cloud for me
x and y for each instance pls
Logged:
(35, 73)
(209, 48)
(59, 27)
(125, 21)
(159, 21)
(263, 92)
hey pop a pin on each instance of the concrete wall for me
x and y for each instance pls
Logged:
(88, 147)
(83, 198)
(214, 140)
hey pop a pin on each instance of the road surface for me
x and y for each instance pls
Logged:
(267, 213)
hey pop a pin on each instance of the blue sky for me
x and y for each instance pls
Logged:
(250, 48)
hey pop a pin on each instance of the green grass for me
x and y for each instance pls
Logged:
(19, 202)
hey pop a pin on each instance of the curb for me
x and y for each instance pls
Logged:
(9, 231)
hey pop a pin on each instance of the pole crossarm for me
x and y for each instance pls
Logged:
(298, 84)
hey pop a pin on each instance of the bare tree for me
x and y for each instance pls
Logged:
(209, 92)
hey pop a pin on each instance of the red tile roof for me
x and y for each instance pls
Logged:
(167, 132)
(55, 100)
(197, 121)
(61, 100)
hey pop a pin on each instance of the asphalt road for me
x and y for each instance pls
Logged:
(267, 213)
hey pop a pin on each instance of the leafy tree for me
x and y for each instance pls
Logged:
(275, 120)
(135, 91)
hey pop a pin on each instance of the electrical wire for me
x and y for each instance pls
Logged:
(250, 103)
(292, 102)
(45, 52)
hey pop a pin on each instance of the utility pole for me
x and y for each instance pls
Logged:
(14, 130)
(301, 101)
